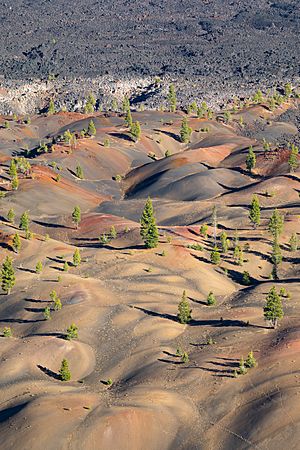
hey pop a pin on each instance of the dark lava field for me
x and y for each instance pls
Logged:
(210, 43)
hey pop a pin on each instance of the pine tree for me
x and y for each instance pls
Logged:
(135, 131)
(67, 137)
(113, 233)
(91, 99)
(89, 107)
(276, 222)
(288, 90)
(12, 169)
(251, 160)
(294, 242)
(72, 332)
(193, 107)
(283, 292)
(211, 299)
(79, 172)
(125, 104)
(114, 105)
(29, 235)
(246, 278)
(293, 158)
(272, 103)
(24, 221)
(203, 230)
(38, 267)
(92, 129)
(250, 361)
(8, 278)
(238, 255)
(7, 332)
(16, 243)
(15, 183)
(128, 119)
(224, 242)
(53, 295)
(185, 357)
(66, 266)
(227, 116)
(172, 100)
(104, 239)
(57, 304)
(51, 108)
(258, 97)
(273, 311)
(254, 214)
(184, 311)
(201, 112)
(215, 256)
(11, 216)
(76, 216)
(214, 224)
(47, 313)
(106, 143)
(276, 257)
(148, 230)
(242, 367)
(76, 257)
(185, 131)
(64, 371)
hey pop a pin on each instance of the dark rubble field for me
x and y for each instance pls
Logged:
(204, 45)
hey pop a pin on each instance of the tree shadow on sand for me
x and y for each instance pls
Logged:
(7, 413)
(23, 269)
(237, 277)
(213, 322)
(5, 246)
(97, 244)
(168, 361)
(199, 302)
(21, 320)
(222, 373)
(60, 269)
(34, 310)
(123, 136)
(33, 300)
(52, 225)
(53, 334)
(56, 260)
(49, 372)
(170, 134)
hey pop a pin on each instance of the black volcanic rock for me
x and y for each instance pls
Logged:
(89, 38)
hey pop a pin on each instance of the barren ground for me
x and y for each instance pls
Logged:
(124, 298)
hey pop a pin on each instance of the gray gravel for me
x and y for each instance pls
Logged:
(210, 49)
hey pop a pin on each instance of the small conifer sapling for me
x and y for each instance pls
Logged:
(64, 371)
(8, 278)
(184, 311)
(76, 257)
